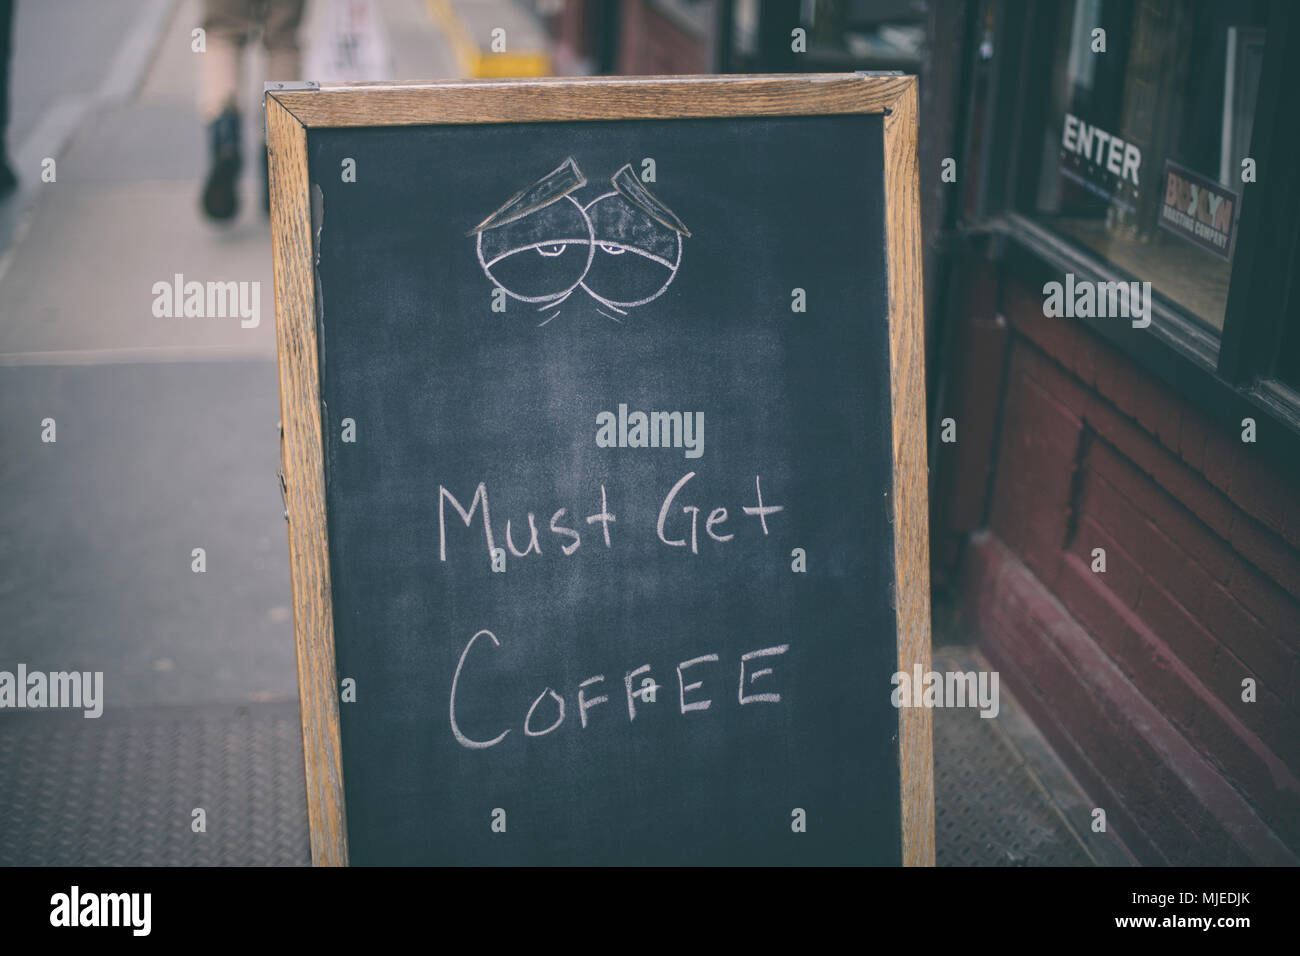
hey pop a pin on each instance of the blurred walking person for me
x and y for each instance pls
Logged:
(229, 25)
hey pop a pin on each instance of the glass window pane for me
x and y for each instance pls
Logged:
(1148, 121)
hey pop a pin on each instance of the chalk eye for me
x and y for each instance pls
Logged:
(542, 256)
(620, 227)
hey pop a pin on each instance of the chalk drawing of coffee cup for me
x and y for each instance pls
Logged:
(638, 244)
(538, 246)
(623, 248)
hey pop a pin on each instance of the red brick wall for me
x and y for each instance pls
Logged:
(651, 44)
(1137, 673)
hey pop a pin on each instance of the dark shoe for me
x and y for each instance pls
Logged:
(8, 181)
(220, 197)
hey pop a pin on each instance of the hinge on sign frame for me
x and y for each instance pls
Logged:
(286, 86)
(290, 86)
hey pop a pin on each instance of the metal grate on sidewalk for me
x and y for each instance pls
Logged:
(988, 812)
(1002, 796)
(121, 790)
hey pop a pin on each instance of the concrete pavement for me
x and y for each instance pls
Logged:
(165, 427)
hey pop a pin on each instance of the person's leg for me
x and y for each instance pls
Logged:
(283, 60)
(280, 36)
(226, 25)
(8, 181)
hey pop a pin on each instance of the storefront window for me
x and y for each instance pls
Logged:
(834, 35)
(1147, 124)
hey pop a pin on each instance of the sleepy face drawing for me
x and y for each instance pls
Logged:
(541, 256)
(622, 248)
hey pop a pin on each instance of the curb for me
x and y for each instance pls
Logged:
(474, 60)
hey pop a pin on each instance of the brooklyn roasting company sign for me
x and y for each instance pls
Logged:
(1197, 209)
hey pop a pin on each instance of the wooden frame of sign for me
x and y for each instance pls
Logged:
(291, 112)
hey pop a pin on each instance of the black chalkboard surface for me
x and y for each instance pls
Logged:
(606, 426)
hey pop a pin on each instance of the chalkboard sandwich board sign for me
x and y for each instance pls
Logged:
(604, 468)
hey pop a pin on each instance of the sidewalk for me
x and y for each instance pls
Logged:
(166, 428)
(166, 442)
